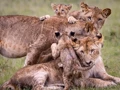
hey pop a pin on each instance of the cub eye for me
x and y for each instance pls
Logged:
(62, 10)
(82, 51)
(56, 10)
(92, 50)
(99, 19)
(89, 18)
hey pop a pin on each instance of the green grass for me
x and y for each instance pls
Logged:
(110, 30)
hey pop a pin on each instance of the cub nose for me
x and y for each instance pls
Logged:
(88, 63)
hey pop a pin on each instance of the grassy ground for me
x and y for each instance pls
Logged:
(111, 31)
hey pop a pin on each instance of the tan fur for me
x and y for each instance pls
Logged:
(89, 50)
(94, 15)
(86, 29)
(50, 74)
(30, 36)
(68, 58)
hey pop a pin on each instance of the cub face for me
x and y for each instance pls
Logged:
(94, 14)
(61, 9)
(88, 49)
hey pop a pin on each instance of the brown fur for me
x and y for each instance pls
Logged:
(25, 35)
(48, 74)
(91, 14)
(87, 30)
(68, 58)
(89, 50)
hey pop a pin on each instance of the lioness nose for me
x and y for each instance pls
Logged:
(88, 63)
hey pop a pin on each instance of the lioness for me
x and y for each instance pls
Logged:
(69, 60)
(89, 50)
(91, 14)
(49, 75)
(25, 35)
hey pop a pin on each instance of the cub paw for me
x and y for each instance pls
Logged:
(55, 51)
(72, 20)
(44, 17)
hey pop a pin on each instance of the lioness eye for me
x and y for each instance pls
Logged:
(99, 19)
(89, 18)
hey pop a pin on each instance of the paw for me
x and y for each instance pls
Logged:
(55, 51)
(110, 83)
(60, 65)
(44, 17)
(117, 80)
(72, 20)
(106, 84)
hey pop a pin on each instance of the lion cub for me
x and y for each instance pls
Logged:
(69, 60)
(60, 10)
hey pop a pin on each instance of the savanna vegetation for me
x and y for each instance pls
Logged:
(110, 30)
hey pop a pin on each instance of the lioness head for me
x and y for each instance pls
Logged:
(88, 49)
(94, 14)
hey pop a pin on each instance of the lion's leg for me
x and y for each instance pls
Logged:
(55, 51)
(45, 58)
(67, 82)
(106, 76)
(35, 50)
(39, 80)
(32, 57)
(94, 82)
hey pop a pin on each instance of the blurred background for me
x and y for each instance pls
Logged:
(110, 30)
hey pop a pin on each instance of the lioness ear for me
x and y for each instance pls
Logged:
(57, 34)
(84, 6)
(53, 6)
(69, 7)
(106, 12)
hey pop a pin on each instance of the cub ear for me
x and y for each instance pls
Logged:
(84, 6)
(69, 7)
(106, 12)
(53, 6)
(57, 34)
(72, 33)
(100, 39)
